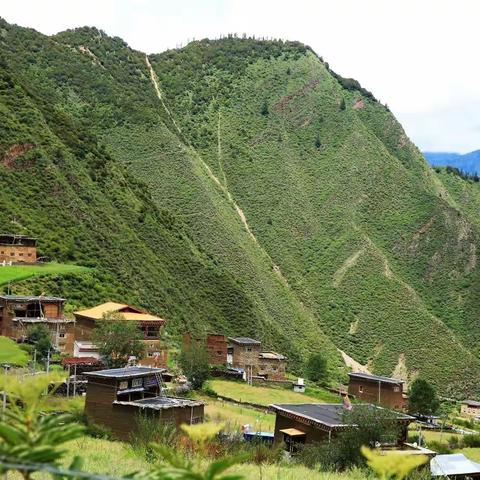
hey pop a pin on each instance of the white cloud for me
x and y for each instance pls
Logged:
(420, 57)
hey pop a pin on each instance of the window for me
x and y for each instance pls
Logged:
(137, 382)
(12, 254)
(123, 385)
(29, 254)
(61, 335)
(396, 389)
(360, 388)
(249, 349)
(196, 420)
(20, 254)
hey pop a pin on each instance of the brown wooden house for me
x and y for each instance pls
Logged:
(149, 324)
(299, 424)
(18, 313)
(470, 408)
(18, 248)
(116, 398)
(376, 389)
(216, 345)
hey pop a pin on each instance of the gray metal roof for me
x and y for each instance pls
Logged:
(472, 403)
(30, 298)
(329, 414)
(244, 340)
(126, 372)
(376, 378)
(453, 464)
(14, 235)
(162, 403)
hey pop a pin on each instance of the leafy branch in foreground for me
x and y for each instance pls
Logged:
(391, 466)
(179, 467)
(26, 434)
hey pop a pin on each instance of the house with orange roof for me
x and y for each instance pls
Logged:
(149, 324)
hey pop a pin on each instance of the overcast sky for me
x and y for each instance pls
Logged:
(419, 56)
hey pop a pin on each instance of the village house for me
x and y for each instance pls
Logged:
(299, 424)
(18, 313)
(246, 354)
(18, 248)
(150, 325)
(271, 365)
(215, 344)
(380, 390)
(470, 408)
(116, 398)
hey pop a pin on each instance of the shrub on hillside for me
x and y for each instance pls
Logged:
(194, 363)
(316, 369)
(472, 441)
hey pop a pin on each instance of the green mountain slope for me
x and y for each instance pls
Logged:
(283, 201)
(252, 299)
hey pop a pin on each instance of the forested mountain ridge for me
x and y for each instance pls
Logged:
(302, 213)
(468, 163)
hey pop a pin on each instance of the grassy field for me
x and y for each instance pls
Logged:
(117, 458)
(234, 416)
(242, 392)
(11, 353)
(16, 273)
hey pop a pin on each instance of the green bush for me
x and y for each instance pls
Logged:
(471, 441)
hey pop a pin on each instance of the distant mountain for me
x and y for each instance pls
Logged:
(469, 162)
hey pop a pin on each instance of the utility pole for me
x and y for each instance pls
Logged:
(48, 361)
(68, 381)
(74, 380)
(4, 400)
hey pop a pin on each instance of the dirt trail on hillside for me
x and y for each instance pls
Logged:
(348, 263)
(353, 364)
(223, 187)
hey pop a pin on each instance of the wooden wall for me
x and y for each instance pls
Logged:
(122, 420)
(18, 253)
(389, 396)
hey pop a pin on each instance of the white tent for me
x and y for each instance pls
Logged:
(452, 465)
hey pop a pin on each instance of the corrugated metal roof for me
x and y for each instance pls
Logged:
(472, 403)
(244, 340)
(30, 298)
(376, 378)
(160, 403)
(329, 414)
(272, 356)
(108, 307)
(453, 464)
(127, 372)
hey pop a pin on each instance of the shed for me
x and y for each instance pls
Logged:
(117, 397)
(316, 422)
(377, 389)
